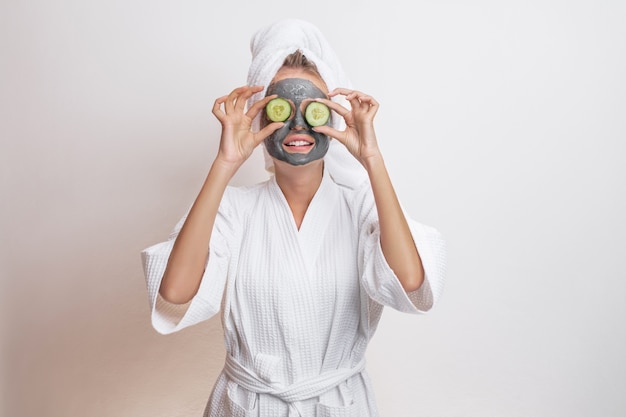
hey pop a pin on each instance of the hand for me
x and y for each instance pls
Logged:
(238, 141)
(359, 135)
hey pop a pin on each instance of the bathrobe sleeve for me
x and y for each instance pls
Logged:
(377, 277)
(167, 317)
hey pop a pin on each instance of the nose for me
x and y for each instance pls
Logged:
(299, 123)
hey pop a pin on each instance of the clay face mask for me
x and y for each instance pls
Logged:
(296, 143)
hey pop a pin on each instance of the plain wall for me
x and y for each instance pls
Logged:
(502, 124)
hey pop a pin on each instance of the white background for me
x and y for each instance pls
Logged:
(502, 123)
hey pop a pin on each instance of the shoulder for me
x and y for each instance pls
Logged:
(357, 198)
(245, 192)
(239, 198)
(356, 193)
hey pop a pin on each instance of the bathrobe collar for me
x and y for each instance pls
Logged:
(323, 206)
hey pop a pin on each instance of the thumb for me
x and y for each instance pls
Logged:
(332, 132)
(266, 131)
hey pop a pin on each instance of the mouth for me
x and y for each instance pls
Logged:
(298, 144)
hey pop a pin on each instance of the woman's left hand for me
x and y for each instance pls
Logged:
(359, 135)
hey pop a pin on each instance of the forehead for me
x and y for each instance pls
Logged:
(296, 89)
(285, 73)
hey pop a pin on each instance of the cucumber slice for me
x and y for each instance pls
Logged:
(278, 110)
(317, 114)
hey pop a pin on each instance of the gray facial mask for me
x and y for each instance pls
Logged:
(296, 90)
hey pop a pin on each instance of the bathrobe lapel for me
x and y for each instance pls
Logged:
(312, 233)
(310, 238)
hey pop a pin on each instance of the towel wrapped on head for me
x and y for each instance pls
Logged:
(270, 46)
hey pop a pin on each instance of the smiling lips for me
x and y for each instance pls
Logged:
(298, 144)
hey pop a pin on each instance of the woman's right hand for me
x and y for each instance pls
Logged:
(187, 261)
(238, 141)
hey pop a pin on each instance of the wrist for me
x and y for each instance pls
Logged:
(225, 167)
(373, 162)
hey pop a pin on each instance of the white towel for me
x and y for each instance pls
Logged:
(270, 46)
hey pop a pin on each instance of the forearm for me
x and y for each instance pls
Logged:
(395, 236)
(188, 258)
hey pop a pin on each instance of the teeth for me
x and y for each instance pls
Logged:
(298, 143)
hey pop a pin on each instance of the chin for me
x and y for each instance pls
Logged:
(297, 162)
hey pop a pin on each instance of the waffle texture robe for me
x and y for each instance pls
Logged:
(298, 306)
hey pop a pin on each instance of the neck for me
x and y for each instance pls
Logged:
(299, 184)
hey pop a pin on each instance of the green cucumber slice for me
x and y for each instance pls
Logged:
(278, 110)
(317, 114)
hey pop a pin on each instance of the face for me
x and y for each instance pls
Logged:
(296, 143)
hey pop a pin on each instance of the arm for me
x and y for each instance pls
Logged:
(396, 240)
(360, 138)
(187, 260)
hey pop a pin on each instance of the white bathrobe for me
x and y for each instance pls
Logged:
(298, 306)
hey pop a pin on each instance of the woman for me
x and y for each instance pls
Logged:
(300, 265)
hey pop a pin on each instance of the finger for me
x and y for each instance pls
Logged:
(369, 104)
(245, 94)
(332, 132)
(233, 98)
(217, 107)
(339, 90)
(266, 131)
(363, 103)
(338, 108)
(259, 105)
(229, 103)
(356, 99)
(365, 99)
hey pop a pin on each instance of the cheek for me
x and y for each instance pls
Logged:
(319, 137)
(278, 136)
